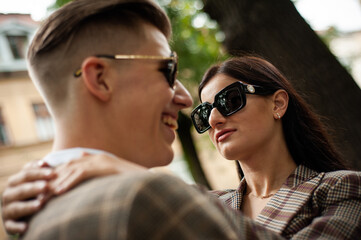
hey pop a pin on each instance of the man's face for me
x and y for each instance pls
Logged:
(145, 107)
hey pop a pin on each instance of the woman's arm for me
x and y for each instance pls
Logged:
(89, 166)
(28, 190)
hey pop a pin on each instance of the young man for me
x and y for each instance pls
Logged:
(107, 74)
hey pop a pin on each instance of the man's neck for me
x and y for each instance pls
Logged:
(56, 158)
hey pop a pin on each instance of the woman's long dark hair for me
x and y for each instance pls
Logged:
(306, 137)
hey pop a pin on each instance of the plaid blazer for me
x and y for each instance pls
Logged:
(159, 206)
(310, 205)
(143, 206)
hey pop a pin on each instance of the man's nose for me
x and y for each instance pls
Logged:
(181, 96)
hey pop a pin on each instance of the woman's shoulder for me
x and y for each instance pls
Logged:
(342, 176)
(340, 185)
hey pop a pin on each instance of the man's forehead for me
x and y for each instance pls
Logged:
(154, 42)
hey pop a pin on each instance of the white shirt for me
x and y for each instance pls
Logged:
(63, 156)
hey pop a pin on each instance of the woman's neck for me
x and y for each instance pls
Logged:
(266, 172)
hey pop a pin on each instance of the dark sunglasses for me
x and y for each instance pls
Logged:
(169, 71)
(228, 101)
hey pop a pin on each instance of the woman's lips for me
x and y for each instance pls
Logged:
(224, 134)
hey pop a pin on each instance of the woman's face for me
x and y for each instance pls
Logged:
(247, 132)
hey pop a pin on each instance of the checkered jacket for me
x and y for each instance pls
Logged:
(310, 205)
(158, 206)
(143, 206)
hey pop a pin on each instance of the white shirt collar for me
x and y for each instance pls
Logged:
(63, 156)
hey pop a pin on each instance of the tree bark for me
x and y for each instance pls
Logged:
(276, 31)
(190, 153)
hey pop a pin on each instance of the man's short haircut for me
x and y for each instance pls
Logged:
(83, 28)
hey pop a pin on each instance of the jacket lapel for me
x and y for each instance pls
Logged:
(234, 198)
(291, 197)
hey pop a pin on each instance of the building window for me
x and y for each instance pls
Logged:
(44, 122)
(18, 45)
(4, 140)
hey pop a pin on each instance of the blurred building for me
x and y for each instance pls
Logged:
(24, 118)
(26, 129)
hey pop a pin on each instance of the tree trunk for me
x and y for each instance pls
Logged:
(276, 31)
(190, 153)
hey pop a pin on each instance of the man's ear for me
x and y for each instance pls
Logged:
(96, 79)
(280, 103)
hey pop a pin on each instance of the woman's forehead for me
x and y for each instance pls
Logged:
(216, 84)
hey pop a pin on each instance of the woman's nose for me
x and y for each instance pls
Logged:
(216, 118)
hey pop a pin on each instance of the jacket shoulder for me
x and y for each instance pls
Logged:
(339, 186)
(342, 177)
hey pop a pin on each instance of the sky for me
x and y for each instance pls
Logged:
(37, 8)
(345, 15)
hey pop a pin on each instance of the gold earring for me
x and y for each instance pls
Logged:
(278, 115)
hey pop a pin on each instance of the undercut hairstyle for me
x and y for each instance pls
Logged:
(84, 28)
(307, 138)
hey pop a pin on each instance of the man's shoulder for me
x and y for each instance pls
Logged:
(89, 205)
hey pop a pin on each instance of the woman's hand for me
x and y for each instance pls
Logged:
(89, 166)
(28, 190)
(25, 194)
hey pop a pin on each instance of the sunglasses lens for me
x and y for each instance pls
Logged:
(200, 116)
(170, 73)
(172, 66)
(230, 101)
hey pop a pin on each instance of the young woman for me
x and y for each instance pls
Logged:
(294, 182)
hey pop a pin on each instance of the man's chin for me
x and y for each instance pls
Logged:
(166, 157)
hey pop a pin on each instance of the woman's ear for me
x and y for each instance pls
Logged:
(96, 80)
(280, 103)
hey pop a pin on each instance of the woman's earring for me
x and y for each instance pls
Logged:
(278, 115)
